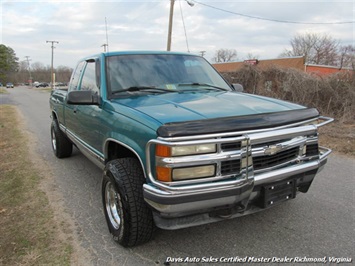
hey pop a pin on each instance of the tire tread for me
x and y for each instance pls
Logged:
(64, 147)
(128, 174)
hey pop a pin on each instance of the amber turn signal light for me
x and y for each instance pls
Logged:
(163, 174)
(162, 151)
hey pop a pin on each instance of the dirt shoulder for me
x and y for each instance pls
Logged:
(34, 226)
(340, 137)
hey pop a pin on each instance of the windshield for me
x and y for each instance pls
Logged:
(165, 71)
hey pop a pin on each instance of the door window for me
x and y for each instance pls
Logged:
(89, 78)
(74, 80)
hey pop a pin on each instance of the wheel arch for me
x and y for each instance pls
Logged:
(114, 149)
(54, 115)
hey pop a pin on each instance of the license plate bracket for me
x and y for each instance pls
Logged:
(276, 193)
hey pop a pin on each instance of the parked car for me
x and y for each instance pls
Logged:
(60, 84)
(42, 84)
(0, 84)
(9, 85)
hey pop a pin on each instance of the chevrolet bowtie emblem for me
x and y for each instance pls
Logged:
(273, 149)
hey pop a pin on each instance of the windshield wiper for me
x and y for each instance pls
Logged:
(143, 88)
(202, 85)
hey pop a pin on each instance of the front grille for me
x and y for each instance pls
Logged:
(262, 162)
(241, 155)
(230, 167)
(312, 150)
(230, 146)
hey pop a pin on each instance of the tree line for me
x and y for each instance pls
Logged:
(8, 62)
(318, 49)
(17, 72)
(41, 73)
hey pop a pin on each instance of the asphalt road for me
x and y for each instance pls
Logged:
(314, 225)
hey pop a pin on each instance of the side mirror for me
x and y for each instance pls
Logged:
(238, 87)
(83, 98)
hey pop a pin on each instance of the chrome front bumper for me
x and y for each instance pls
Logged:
(178, 206)
(175, 203)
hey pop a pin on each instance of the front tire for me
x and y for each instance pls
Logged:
(61, 145)
(128, 216)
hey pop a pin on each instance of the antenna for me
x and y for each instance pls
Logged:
(106, 35)
(104, 45)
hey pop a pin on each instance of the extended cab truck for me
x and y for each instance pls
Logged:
(179, 146)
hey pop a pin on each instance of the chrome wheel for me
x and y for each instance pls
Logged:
(61, 145)
(129, 219)
(54, 141)
(113, 205)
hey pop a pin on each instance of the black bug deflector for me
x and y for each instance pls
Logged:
(236, 123)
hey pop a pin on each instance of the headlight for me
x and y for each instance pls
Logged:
(193, 172)
(166, 151)
(167, 174)
(178, 174)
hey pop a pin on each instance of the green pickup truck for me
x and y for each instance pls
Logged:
(178, 145)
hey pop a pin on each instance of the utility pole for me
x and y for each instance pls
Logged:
(172, 2)
(29, 69)
(52, 74)
(202, 53)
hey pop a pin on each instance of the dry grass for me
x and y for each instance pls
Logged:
(333, 96)
(29, 233)
(340, 137)
(3, 91)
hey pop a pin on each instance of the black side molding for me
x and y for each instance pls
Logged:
(236, 123)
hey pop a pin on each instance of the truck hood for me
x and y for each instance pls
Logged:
(188, 106)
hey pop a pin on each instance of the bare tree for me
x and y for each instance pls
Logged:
(63, 73)
(252, 56)
(22, 66)
(41, 73)
(316, 48)
(346, 56)
(301, 46)
(225, 55)
(325, 50)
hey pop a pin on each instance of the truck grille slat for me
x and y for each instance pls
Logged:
(230, 167)
(312, 149)
(231, 146)
(262, 162)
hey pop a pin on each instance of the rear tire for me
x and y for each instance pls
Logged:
(61, 145)
(128, 216)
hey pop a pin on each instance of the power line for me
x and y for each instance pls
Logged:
(273, 20)
(183, 23)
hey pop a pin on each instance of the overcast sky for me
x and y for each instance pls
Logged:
(79, 26)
